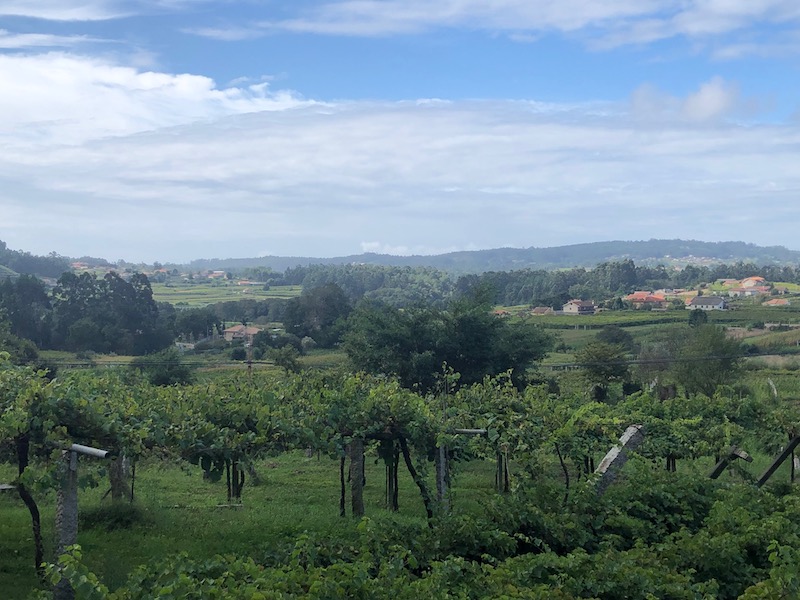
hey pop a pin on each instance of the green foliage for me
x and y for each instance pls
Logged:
(287, 358)
(164, 368)
(26, 306)
(266, 340)
(319, 313)
(413, 344)
(784, 581)
(238, 353)
(107, 315)
(616, 335)
(707, 359)
(52, 265)
(197, 323)
(700, 358)
(697, 318)
(20, 351)
(603, 364)
(653, 534)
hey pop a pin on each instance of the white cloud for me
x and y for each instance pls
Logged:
(601, 24)
(373, 17)
(16, 41)
(714, 100)
(61, 10)
(91, 10)
(320, 180)
(123, 162)
(706, 20)
(227, 34)
(96, 98)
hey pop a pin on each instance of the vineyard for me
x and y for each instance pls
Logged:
(245, 486)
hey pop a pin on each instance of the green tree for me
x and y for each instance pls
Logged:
(614, 334)
(319, 313)
(287, 358)
(107, 315)
(413, 343)
(164, 368)
(697, 317)
(707, 359)
(603, 364)
(698, 359)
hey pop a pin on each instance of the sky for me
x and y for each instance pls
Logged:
(170, 130)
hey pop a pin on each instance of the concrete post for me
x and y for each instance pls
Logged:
(67, 517)
(616, 458)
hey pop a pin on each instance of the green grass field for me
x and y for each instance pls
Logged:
(202, 294)
(183, 513)
(179, 512)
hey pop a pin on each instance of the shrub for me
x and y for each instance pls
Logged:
(164, 368)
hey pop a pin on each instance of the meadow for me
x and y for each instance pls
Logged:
(177, 511)
(195, 295)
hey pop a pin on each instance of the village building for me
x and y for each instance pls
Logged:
(707, 303)
(749, 282)
(241, 332)
(778, 302)
(579, 307)
(746, 292)
(646, 300)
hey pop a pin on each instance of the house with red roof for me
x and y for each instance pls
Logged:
(749, 282)
(778, 302)
(646, 300)
(240, 332)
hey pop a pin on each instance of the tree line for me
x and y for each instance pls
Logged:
(52, 265)
(407, 286)
(610, 280)
(82, 312)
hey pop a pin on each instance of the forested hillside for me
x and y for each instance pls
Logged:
(25, 262)
(404, 286)
(650, 252)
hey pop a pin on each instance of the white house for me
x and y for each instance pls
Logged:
(707, 303)
(579, 307)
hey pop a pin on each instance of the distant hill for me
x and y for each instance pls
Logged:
(18, 261)
(667, 252)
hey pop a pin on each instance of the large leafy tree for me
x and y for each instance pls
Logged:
(699, 359)
(603, 364)
(108, 314)
(319, 313)
(27, 308)
(413, 344)
(707, 360)
(197, 323)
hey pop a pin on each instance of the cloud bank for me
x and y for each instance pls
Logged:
(145, 165)
(732, 28)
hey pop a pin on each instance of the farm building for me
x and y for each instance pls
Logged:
(579, 307)
(707, 303)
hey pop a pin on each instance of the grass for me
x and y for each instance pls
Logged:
(323, 359)
(202, 294)
(181, 512)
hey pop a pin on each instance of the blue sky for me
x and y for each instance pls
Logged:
(178, 129)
